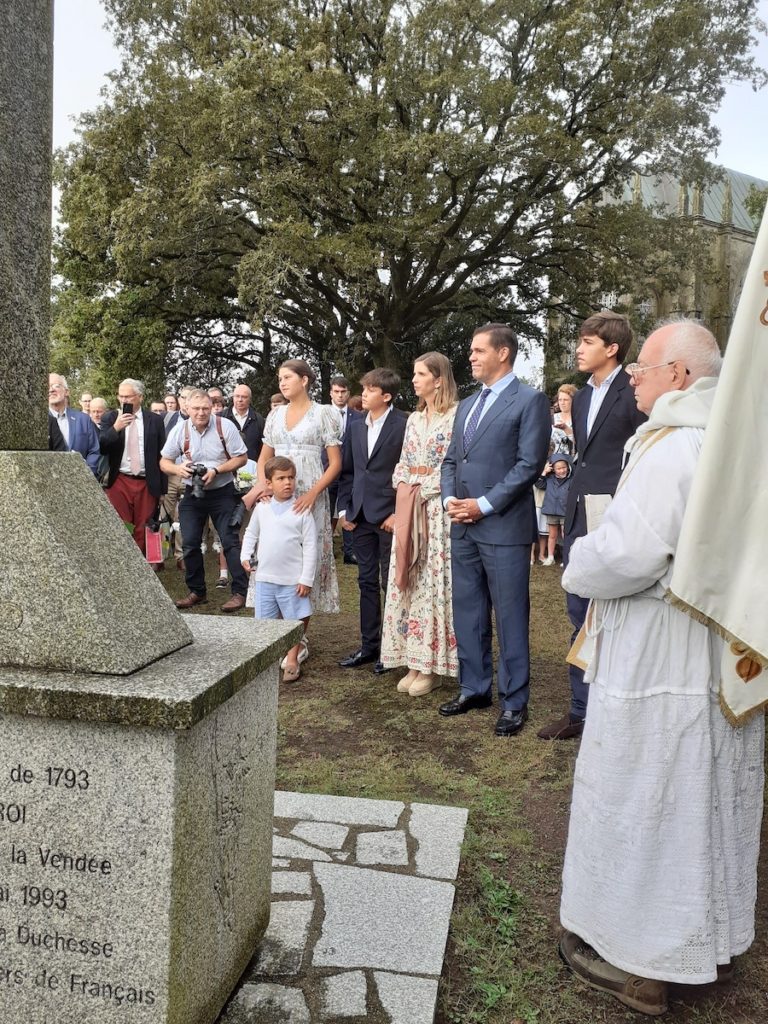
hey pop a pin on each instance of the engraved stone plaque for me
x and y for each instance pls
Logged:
(135, 858)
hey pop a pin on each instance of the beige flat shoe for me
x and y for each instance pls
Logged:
(406, 682)
(423, 684)
(290, 674)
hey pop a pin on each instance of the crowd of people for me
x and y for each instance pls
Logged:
(444, 511)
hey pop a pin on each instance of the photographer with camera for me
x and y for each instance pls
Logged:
(212, 451)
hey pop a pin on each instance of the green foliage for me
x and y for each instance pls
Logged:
(755, 204)
(345, 180)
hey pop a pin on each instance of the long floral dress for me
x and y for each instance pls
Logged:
(318, 428)
(418, 623)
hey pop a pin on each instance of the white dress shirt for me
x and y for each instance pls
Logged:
(125, 462)
(61, 419)
(374, 429)
(596, 399)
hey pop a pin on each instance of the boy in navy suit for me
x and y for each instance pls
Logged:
(605, 416)
(366, 502)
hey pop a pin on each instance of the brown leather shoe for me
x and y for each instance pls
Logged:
(180, 564)
(565, 728)
(643, 994)
(234, 604)
(191, 600)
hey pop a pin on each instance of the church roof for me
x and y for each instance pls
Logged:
(712, 203)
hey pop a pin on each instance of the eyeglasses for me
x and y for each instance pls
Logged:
(636, 370)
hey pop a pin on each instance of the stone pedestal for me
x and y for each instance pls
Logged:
(136, 831)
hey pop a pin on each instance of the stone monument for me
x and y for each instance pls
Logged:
(137, 752)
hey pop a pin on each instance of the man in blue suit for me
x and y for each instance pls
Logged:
(79, 432)
(498, 449)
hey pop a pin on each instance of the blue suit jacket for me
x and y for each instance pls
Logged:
(84, 438)
(502, 463)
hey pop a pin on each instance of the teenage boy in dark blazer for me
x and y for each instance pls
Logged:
(605, 416)
(366, 502)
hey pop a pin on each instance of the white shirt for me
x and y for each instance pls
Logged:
(343, 414)
(374, 429)
(61, 419)
(287, 543)
(596, 399)
(495, 390)
(206, 446)
(125, 462)
(240, 419)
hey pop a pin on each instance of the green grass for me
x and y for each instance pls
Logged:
(351, 734)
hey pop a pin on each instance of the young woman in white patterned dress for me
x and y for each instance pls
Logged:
(300, 430)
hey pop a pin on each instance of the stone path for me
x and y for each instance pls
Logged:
(362, 898)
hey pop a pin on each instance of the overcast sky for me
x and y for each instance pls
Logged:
(84, 54)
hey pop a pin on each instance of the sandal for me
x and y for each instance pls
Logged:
(291, 674)
(303, 653)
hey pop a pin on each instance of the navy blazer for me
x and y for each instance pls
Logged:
(601, 455)
(365, 485)
(113, 445)
(84, 438)
(502, 463)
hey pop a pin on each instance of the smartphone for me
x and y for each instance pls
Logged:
(128, 408)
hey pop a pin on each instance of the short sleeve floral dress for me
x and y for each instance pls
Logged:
(318, 428)
(418, 623)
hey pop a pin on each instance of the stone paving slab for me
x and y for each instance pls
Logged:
(344, 995)
(320, 833)
(376, 919)
(362, 893)
(407, 1000)
(347, 810)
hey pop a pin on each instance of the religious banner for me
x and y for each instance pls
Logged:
(721, 563)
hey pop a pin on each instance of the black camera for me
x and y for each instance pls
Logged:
(198, 471)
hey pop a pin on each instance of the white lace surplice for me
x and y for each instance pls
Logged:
(319, 428)
(660, 873)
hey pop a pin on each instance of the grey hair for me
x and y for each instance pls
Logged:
(198, 393)
(693, 344)
(98, 398)
(62, 379)
(137, 386)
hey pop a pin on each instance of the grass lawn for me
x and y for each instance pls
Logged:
(350, 733)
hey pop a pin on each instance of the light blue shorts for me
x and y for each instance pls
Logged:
(279, 600)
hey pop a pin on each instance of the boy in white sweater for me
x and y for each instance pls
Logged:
(287, 555)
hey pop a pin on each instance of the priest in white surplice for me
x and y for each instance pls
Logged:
(660, 874)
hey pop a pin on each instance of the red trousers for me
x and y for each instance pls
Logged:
(130, 498)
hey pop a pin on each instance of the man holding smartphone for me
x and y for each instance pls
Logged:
(131, 439)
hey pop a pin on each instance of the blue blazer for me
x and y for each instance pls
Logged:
(502, 463)
(84, 438)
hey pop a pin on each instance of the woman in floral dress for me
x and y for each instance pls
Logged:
(418, 618)
(300, 430)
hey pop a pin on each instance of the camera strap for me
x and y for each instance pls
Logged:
(220, 431)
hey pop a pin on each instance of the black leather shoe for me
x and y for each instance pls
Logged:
(350, 560)
(359, 658)
(461, 704)
(511, 722)
(379, 670)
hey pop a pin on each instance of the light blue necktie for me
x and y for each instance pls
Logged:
(471, 427)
